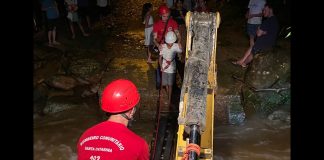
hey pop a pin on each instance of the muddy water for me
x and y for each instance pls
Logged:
(256, 139)
(55, 136)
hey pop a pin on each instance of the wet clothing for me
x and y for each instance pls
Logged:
(159, 26)
(267, 41)
(111, 140)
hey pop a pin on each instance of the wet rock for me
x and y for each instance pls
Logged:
(280, 115)
(59, 104)
(229, 110)
(268, 68)
(53, 93)
(91, 90)
(85, 68)
(263, 103)
(267, 83)
(61, 82)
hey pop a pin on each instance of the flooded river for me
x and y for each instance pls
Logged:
(55, 136)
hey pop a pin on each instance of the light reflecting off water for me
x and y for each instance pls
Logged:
(257, 139)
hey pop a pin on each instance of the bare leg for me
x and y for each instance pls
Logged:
(54, 37)
(82, 30)
(54, 34)
(248, 59)
(251, 41)
(49, 35)
(246, 54)
(243, 59)
(88, 21)
(149, 60)
(72, 30)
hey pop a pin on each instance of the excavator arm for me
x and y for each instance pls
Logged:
(196, 107)
(188, 134)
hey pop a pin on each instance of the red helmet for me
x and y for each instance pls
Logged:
(119, 96)
(163, 9)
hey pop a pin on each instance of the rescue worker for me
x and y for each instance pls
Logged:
(112, 139)
(163, 26)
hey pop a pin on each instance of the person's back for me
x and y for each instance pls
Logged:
(111, 140)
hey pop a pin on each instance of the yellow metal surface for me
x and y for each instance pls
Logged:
(206, 142)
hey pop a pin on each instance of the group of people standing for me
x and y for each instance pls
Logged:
(168, 36)
(74, 11)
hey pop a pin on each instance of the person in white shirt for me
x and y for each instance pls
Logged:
(167, 62)
(254, 20)
(147, 19)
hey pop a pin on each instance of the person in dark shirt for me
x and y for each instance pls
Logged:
(179, 14)
(266, 36)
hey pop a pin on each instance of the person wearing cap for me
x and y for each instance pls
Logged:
(159, 26)
(112, 139)
(167, 62)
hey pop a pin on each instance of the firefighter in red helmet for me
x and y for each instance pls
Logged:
(112, 139)
(163, 26)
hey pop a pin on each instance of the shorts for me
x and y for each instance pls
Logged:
(148, 36)
(51, 23)
(73, 16)
(168, 78)
(251, 29)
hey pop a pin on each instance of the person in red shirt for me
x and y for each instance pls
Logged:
(112, 139)
(158, 27)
